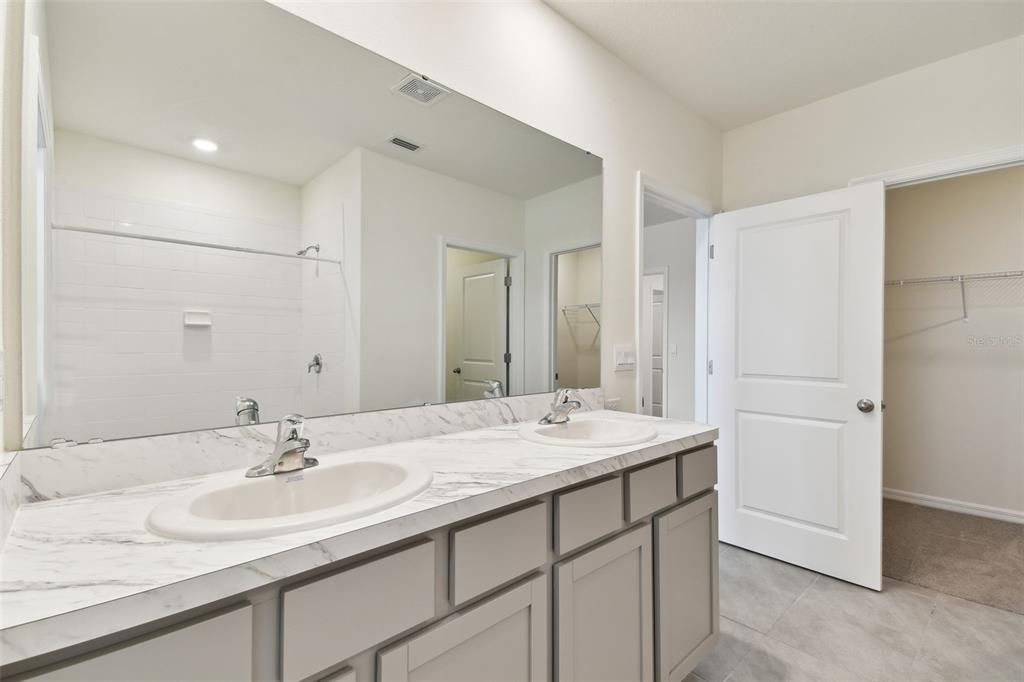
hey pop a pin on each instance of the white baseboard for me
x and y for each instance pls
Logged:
(1010, 515)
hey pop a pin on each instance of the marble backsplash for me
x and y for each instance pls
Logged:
(10, 491)
(49, 473)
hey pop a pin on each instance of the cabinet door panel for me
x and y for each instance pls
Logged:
(604, 611)
(686, 584)
(502, 639)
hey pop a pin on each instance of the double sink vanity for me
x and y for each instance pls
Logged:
(523, 551)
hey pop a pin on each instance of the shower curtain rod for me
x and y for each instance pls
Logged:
(186, 242)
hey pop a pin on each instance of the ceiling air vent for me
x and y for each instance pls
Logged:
(420, 89)
(404, 144)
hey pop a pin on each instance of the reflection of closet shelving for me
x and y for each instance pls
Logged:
(572, 313)
(962, 280)
(186, 242)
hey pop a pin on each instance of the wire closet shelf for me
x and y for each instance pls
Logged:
(962, 280)
(205, 245)
(571, 312)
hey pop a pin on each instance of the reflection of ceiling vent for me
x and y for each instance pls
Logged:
(420, 89)
(405, 144)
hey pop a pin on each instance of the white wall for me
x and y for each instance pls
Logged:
(524, 60)
(331, 217)
(954, 391)
(124, 364)
(405, 212)
(970, 103)
(673, 245)
(564, 219)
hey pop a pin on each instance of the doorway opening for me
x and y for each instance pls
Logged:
(576, 327)
(477, 355)
(672, 306)
(953, 474)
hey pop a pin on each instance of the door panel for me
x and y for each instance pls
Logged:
(484, 322)
(795, 334)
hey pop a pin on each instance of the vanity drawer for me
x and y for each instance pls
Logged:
(328, 620)
(215, 648)
(588, 513)
(494, 552)
(650, 488)
(698, 471)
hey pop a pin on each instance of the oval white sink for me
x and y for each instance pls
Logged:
(234, 507)
(589, 433)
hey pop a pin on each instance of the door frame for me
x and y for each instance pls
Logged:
(691, 206)
(516, 310)
(944, 169)
(551, 302)
(994, 159)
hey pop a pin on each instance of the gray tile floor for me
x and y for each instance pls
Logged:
(781, 622)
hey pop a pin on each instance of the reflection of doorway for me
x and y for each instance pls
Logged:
(654, 343)
(476, 324)
(672, 369)
(576, 328)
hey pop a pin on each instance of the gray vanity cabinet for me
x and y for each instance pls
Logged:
(503, 638)
(604, 611)
(214, 648)
(686, 575)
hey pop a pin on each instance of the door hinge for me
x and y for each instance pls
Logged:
(711, 251)
(508, 280)
(508, 358)
(711, 366)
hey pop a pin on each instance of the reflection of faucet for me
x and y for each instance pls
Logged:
(561, 408)
(495, 389)
(305, 251)
(247, 411)
(289, 451)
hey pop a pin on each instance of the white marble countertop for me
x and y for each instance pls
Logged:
(79, 568)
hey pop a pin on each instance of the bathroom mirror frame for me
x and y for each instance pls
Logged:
(522, 378)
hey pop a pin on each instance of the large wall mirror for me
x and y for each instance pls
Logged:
(222, 201)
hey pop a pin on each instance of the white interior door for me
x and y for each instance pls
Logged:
(652, 345)
(484, 322)
(795, 335)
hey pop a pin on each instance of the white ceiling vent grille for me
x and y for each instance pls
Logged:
(420, 89)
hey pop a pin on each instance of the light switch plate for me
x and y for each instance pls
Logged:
(625, 357)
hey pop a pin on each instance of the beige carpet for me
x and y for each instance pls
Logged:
(965, 556)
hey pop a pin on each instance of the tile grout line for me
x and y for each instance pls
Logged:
(744, 657)
(924, 635)
(800, 596)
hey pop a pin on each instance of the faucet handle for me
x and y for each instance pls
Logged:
(290, 427)
(562, 397)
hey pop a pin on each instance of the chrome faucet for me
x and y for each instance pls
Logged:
(495, 389)
(561, 407)
(289, 450)
(247, 411)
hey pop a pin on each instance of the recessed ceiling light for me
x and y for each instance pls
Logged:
(204, 145)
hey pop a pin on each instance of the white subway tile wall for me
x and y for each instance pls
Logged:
(123, 362)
